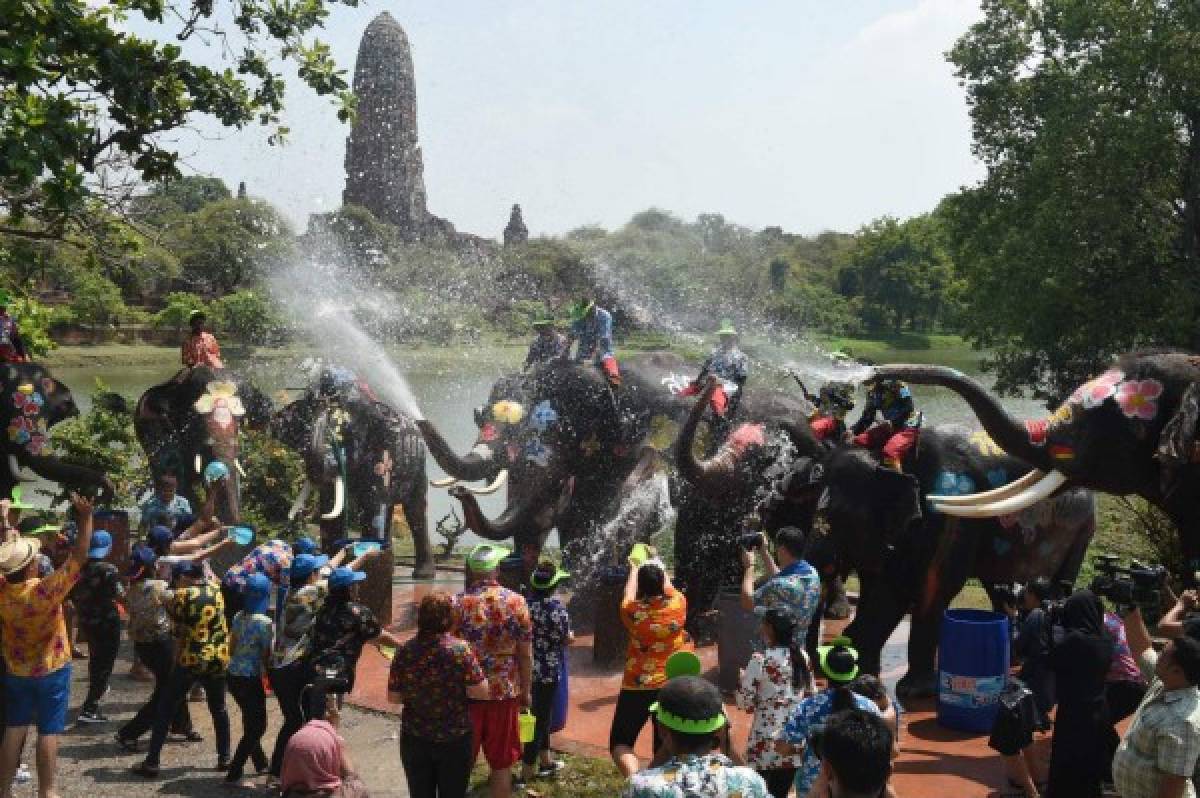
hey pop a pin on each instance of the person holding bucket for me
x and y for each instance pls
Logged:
(838, 662)
(551, 635)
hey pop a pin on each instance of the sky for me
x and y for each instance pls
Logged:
(807, 114)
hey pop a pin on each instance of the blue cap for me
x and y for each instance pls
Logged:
(160, 536)
(305, 564)
(257, 593)
(344, 577)
(101, 545)
(141, 560)
(305, 546)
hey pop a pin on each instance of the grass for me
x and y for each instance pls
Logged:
(583, 777)
(944, 349)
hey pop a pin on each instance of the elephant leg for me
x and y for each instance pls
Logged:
(836, 605)
(879, 613)
(921, 679)
(415, 513)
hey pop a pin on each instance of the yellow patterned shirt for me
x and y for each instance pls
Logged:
(31, 616)
(199, 613)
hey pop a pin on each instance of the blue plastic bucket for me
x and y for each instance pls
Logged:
(972, 668)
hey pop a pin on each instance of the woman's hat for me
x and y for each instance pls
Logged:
(15, 503)
(141, 560)
(257, 593)
(344, 577)
(15, 556)
(304, 564)
(839, 660)
(547, 575)
(727, 328)
(101, 545)
(486, 557)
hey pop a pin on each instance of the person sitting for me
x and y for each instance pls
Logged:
(856, 755)
(689, 714)
(548, 345)
(592, 327)
(833, 402)
(316, 765)
(12, 346)
(728, 364)
(896, 435)
(200, 348)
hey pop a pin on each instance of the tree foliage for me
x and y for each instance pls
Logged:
(80, 95)
(230, 243)
(1082, 241)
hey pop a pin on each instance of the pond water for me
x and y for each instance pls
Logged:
(448, 383)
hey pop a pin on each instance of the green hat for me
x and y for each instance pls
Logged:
(727, 328)
(580, 309)
(486, 556)
(547, 575)
(16, 503)
(543, 321)
(682, 663)
(839, 660)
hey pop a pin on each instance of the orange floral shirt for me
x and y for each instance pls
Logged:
(32, 626)
(201, 349)
(655, 633)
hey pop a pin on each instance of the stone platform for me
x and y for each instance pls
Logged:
(934, 762)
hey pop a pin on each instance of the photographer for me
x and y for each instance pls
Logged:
(1080, 660)
(1159, 753)
(792, 583)
(856, 755)
(1032, 648)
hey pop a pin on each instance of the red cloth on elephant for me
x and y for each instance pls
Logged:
(609, 364)
(826, 427)
(894, 445)
(719, 402)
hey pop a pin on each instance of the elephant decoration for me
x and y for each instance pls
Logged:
(33, 402)
(364, 458)
(1130, 431)
(185, 423)
(869, 520)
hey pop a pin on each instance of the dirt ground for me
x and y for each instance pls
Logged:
(91, 764)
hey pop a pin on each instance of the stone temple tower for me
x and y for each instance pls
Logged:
(516, 232)
(384, 170)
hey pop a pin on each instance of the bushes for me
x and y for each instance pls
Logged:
(274, 475)
(104, 439)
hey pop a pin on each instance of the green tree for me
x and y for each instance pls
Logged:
(247, 316)
(174, 197)
(96, 300)
(1083, 238)
(178, 308)
(230, 243)
(79, 93)
(104, 439)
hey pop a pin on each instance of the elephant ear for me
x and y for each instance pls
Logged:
(896, 499)
(1178, 436)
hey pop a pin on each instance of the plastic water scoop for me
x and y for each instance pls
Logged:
(639, 554)
(526, 723)
(241, 535)
(364, 546)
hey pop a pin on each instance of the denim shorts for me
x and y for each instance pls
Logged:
(42, 697)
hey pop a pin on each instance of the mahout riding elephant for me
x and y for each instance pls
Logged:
(33, 401)
(364, 458)
(1130, 431)
(187, 422)
(870, 521)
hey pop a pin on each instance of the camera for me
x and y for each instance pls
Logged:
(750, 540)
(1128, 586)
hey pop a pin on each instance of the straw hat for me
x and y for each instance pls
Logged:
(15, 556)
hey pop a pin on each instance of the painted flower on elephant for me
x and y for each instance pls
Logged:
(221, 402)
(1094, 392)
(543, 415)
(28, 402)
(1139, 398)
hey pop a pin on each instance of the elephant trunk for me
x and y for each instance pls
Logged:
(712, 476)
(69, 474)
(471, 467)
(1008, 433)
(514, 519)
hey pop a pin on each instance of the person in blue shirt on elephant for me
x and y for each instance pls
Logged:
(592, 328)
(896, 434)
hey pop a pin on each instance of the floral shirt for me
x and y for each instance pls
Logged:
(156, 511)
(809, 716)
(1124, 667)
(253, 635)
(766, 688)
(293, 638)
(655, 633)
(148, 619)
(344, 627)
(798, 588)
(710, 776)
(551, 628)
(272, 559)
(431, 674)
(204, 635)
(96, 595)
(201, 349)
(495, 621)
(31, 616)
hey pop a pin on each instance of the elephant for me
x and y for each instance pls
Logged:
(184, 423)
(364, 458)
(1130, 431)
(34, 401)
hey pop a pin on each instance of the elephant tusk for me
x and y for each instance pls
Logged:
(496, 484)
(987, 497)
(444, 482)
(339, 499)
(198, 464)
(301, 500)
(1013, 504)
(241, 471)
(14, 468)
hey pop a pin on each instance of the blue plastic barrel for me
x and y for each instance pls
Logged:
(972, 668)
(558, 718)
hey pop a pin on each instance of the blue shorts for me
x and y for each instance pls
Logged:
(42, 697)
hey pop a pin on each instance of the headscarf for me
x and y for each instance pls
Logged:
(1083, 613)
(313, 759)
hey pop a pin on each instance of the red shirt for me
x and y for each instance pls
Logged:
(200, 349)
